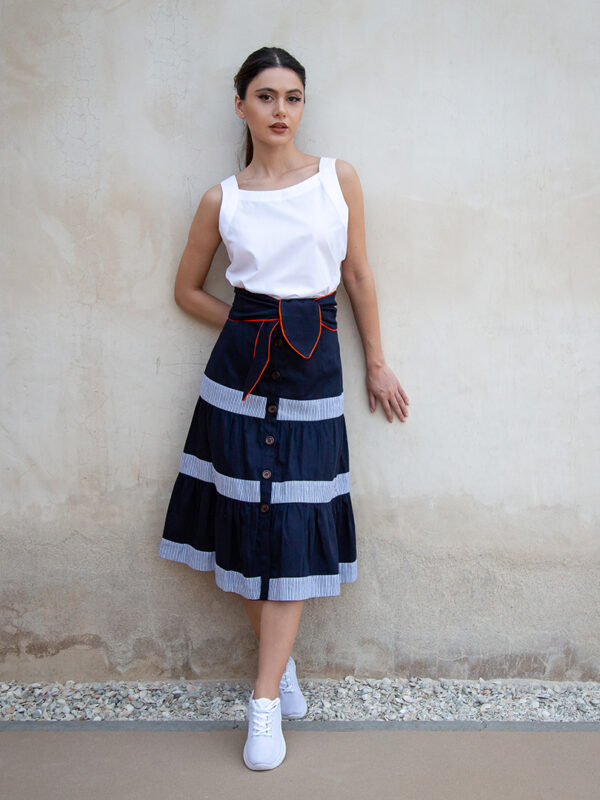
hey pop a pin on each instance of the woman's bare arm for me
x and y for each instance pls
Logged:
(203, 241)
(359, 283)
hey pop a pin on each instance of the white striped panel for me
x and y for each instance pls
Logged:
(312, 585)
(348, 571)
(235, 488)
(186, 554)
(279, 588)
(231, 399)
(231, 581)
(249, 491)
(309, 410)
(228, 399)
(310, 491)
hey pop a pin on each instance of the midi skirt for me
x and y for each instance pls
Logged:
(262, 497)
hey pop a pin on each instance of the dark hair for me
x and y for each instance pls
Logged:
(261, 59)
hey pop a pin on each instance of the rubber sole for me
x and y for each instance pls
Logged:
(250, 765)
(294, 716)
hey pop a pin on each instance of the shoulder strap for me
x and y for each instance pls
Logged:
(333, 188)
(230, 190)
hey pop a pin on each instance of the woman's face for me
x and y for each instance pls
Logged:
(275, 97)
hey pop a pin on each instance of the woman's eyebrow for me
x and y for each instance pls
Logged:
(268, 89)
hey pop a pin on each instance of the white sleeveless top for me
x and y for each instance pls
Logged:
(287, 243)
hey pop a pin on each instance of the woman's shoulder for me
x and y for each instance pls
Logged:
(213, 196)
(347, 176)
(344, 169)
(209, 207)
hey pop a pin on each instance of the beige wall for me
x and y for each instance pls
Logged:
(474, 128)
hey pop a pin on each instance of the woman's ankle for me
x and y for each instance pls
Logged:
(264, 690)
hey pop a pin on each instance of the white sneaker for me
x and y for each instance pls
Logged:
(293, 704)
(265, 746)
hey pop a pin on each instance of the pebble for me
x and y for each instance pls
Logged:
(348, 699)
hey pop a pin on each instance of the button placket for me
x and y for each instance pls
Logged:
(269, 435)
(269, 439)
(273, 371)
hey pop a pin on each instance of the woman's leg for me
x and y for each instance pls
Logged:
(275, 622)
(253, 610)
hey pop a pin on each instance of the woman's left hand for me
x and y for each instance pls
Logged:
(383, 385)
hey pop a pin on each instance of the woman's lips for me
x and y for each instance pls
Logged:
(278, 128)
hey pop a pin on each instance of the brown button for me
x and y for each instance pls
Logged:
(266, 473)
(278, 341)
(272, 409)
(264, 507)
(275, 375)
(269, 439)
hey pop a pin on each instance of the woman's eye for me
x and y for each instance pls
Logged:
(295, 98)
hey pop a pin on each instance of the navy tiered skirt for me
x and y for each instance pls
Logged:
(263, 491)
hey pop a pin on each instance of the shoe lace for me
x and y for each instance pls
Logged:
(261, 722)
(286, 684)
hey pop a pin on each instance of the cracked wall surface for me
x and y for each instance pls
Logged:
(474, 130)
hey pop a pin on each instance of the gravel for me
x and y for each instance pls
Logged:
(348, 699)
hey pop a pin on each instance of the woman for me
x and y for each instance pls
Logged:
(262, 496)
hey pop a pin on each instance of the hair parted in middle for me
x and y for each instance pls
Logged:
(261, 59)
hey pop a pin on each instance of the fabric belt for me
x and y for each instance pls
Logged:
(300, 320)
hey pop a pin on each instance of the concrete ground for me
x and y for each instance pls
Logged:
(168, 761)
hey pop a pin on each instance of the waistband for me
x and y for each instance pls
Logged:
(300, 320)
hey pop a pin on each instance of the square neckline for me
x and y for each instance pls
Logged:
(284, 189)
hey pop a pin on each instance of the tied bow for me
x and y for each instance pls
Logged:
(300, 320)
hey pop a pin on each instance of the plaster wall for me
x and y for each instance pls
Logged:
(474, 128)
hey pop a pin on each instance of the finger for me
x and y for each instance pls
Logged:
(386, 407)
(398, 409)
(402, 404)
